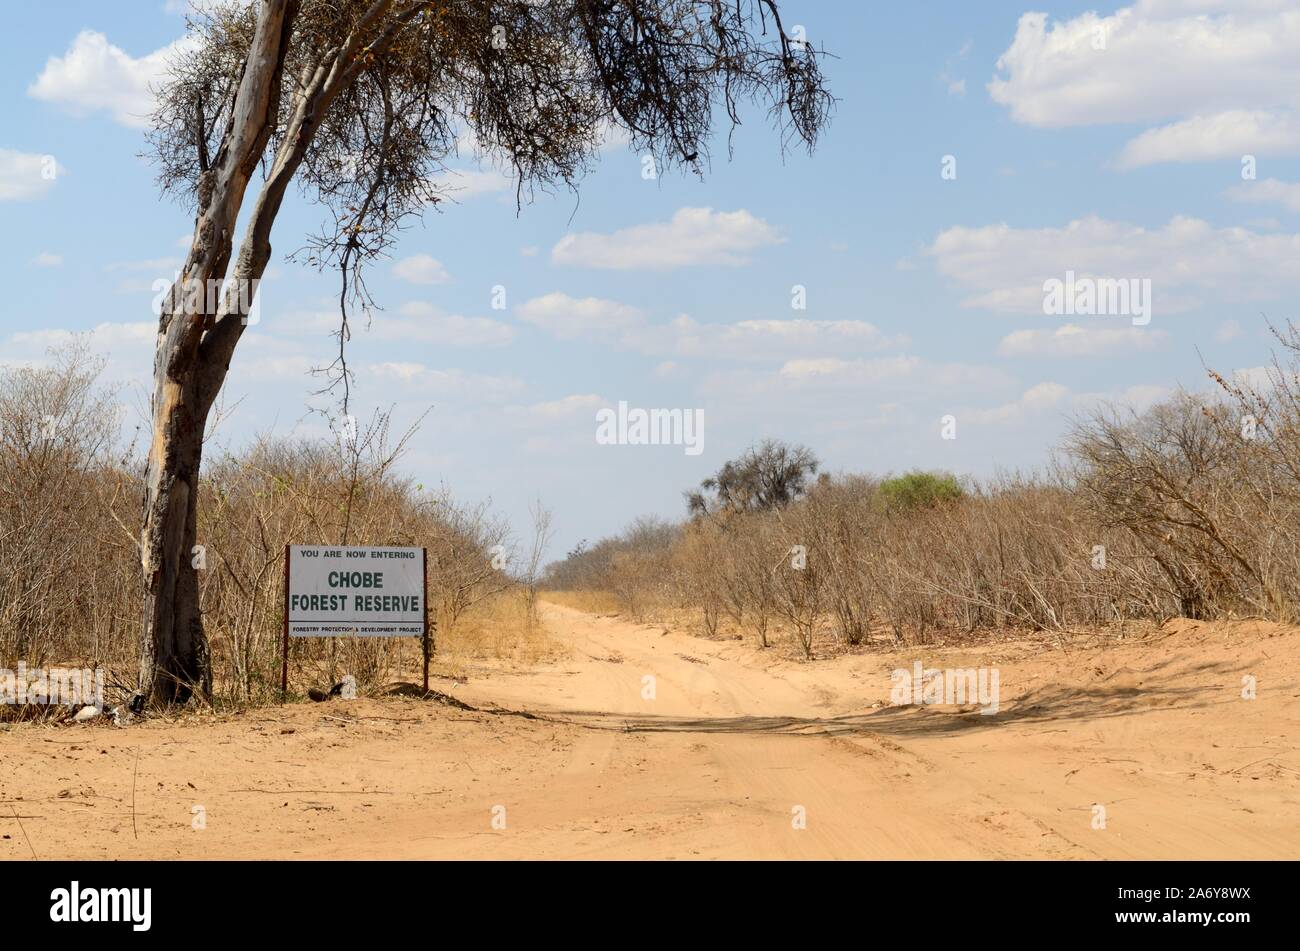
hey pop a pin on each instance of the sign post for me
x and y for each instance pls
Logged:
(370, 591)
(284, 655)
(425, 640)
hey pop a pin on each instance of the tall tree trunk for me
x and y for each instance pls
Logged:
(189, 369)
(194, 350)
(174, 663)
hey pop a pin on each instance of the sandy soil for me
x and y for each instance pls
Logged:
(736, 744)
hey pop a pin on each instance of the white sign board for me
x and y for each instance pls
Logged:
(362, 592)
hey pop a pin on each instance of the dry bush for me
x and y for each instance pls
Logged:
(635, 567)
(751, 572)
(281, 493)
(840, 525)
(699, 572)
(1188, 508)
(64, 559)
(503, 627)
(70, 586)
(1208, 507)
(534, 560)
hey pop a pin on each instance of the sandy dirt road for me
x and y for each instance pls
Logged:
(721, 760)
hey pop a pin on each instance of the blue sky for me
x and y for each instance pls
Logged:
(1104, 140)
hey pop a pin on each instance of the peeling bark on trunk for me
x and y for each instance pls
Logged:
(174, 664)
(191, 358)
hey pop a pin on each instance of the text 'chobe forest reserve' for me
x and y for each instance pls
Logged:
(355, 591)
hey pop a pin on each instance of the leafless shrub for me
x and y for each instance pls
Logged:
(532, 569)
(1187, 508)
(63, 557)
(69, 565)
(1187, 488)
(634, 566)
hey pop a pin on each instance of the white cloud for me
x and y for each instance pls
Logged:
(47, 259)
(415, 322)
(106, 334)
(458, 385)
(1259, 379)
(255, 367)
(1188, 261)
(1222, 72)
(1161, 59)
(26, 175)
(421, 269)
(828, 397)
(610, 137)
(1038, 399)
(569, 318)
(464, 184)
(758, 339)
(95, 75)
(856, 408)
(1139, 397)
(565, 407)
(695, 237)
(838, 373)
(835, 367)
(1269, 191)
(1071, 340)
(429, 324)
(182, 7)
(627, 327)
(127, 348)
(1223, 135)
(1054, 399)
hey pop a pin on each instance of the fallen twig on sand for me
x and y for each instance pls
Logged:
(19, 820)
(134, 831)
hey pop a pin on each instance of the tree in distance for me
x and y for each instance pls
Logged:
(768, 476)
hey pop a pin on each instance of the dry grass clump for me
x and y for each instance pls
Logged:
(500, 628)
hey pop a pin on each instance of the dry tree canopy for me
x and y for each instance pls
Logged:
(535, 84)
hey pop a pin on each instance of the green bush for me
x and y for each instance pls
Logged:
(919, 490)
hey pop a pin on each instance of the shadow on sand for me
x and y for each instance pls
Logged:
(1043, 705)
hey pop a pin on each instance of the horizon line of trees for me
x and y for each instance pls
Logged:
(1188, 508)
